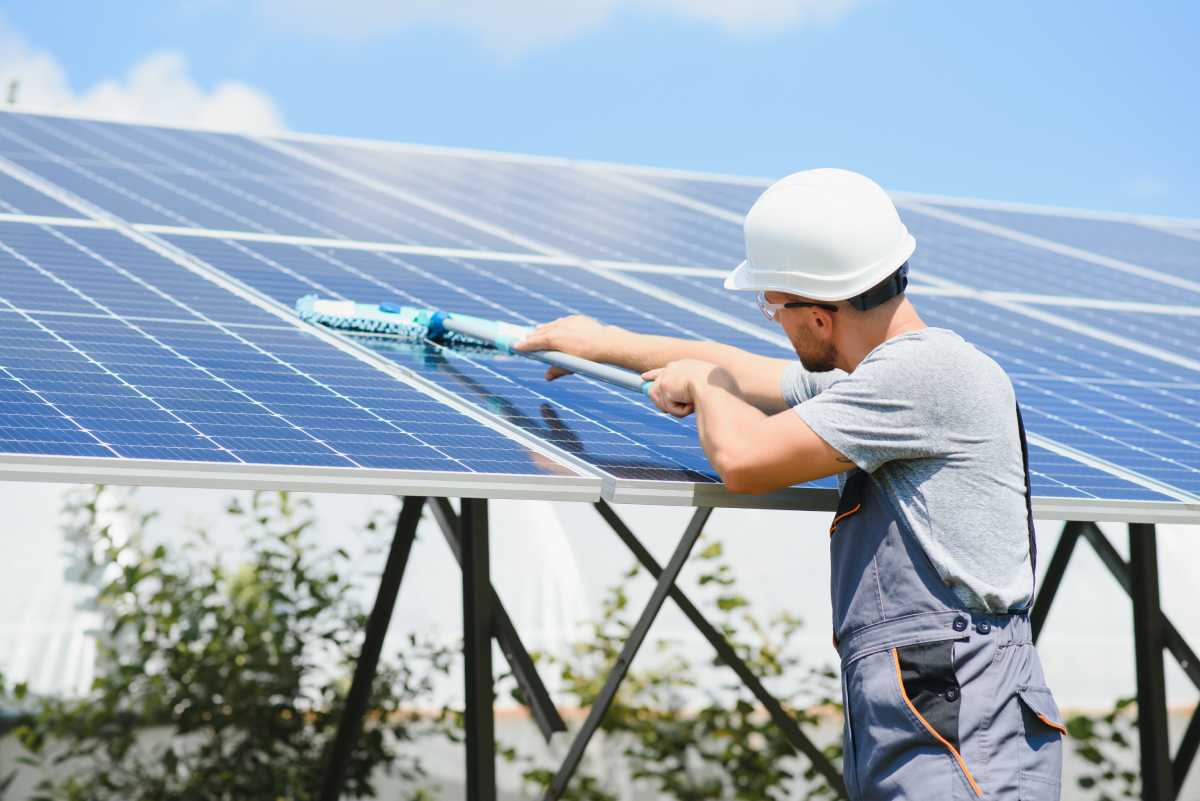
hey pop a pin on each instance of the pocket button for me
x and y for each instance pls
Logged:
(960, 624)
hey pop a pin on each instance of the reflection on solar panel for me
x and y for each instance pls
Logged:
(156, 328)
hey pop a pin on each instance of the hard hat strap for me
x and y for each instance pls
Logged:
(882, 292)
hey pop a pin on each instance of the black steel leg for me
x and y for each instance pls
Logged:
(628, 652)
(782, 719)
(1187, 752)
(1172, 639)
(537, 698)
(359, 696)
(478, 624)
(1054, 576)
(1148, 645)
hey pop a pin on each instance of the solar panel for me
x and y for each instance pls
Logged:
(982, 260)
(214, 181)
(112, 350)
(1103, 362)
(573, 210)
(1153, 247)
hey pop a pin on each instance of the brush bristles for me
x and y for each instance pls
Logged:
(359, 318)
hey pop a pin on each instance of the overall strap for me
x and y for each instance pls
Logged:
(1028, 506)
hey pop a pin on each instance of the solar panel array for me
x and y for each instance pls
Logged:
(150, 272)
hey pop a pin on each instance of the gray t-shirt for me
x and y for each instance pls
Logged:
(934, 420)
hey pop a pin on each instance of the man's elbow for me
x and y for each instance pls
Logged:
(743, 476)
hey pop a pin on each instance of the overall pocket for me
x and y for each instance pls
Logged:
(929, 689)
(1043, 730)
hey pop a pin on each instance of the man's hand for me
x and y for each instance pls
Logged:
(752, 451)
(675, 386)
(577, 335)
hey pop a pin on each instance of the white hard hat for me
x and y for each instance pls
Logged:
(824, 234)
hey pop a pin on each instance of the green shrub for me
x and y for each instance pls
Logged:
(246, 666)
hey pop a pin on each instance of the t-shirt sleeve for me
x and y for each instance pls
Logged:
(888, 408)
(798, 384)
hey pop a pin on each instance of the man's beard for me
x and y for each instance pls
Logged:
(821, 361)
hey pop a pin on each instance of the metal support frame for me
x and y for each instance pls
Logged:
(358, 699)
(786, 723)
(535, 695)
(479, 617)
(480, 598)
(628, 651)
(1153, 632)
(485, 618)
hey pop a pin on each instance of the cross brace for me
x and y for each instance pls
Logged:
(1153, 632)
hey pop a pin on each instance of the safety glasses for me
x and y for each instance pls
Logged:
(771, 310)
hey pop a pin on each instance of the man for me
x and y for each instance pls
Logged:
(932, 545)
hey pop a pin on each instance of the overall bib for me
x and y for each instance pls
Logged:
(941, 702)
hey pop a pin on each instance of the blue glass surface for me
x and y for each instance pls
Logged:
(574, 210)
(164, 176)
(981, 260)
(1175, 333)
(20, 198)
(613, 429)
(1055, 476)
(1126, 241)
(112, 350)
(728, 195)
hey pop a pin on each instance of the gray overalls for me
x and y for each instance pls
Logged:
(941, 702)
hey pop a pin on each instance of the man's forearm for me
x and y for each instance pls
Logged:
(642, 352)
(757, 377)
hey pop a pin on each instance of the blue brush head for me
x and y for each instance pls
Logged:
(390, 319)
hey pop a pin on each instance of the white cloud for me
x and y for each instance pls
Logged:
(518, 25)
(159, 88)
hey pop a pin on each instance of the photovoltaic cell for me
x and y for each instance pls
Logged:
(1052, 475)
(574, 210)
(1138, 244)
(101, 358)
(1175, 333)
(165, 176)
(19, 198)
(736, 197)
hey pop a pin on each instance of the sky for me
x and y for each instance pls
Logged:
(1082, 105)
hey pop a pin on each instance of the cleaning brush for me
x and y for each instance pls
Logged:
(449, 329)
